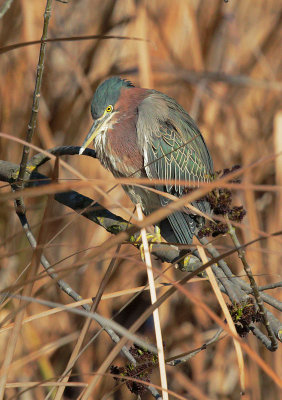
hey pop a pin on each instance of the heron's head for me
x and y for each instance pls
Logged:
(103, 107)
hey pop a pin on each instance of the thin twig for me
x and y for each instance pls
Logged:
(65, 39)
(101, 320)
(241, 253)
(228, 317)
(36, 94)
(19, 205)
(274, 285)
(186, 357)
(75, 296)
(194, 77)
(115, 224)
(65, 287)
(239, 282)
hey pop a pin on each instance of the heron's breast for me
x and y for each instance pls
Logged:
(121, 152)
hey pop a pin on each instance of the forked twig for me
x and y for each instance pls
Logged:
(255, 291)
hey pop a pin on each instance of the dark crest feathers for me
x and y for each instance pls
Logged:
(108, 93)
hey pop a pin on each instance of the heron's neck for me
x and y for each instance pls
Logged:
(118, 148)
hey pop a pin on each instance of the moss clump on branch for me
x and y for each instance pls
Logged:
(243, 315)
(144, 368)
(220, 200)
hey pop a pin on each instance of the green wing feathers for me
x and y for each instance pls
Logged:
(172, 158)
(175, 150)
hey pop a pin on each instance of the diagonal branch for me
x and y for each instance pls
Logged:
(115, 224)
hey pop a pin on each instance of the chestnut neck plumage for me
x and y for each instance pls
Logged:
(117, 148)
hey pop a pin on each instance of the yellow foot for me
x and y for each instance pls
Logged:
(152, 238)
(189, 264)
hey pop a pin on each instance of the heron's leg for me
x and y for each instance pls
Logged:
(158, 235)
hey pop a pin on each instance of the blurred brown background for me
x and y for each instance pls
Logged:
(222, 62)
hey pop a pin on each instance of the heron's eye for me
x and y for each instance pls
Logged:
(109, 109)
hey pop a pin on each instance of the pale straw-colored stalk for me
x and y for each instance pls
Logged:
(228, 317)
(156, 317)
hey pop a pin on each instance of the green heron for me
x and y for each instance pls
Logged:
(145, 134)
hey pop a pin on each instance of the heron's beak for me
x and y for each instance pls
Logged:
(98, 126)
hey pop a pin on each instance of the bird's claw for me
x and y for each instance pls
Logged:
(189, 264)
(152, 238)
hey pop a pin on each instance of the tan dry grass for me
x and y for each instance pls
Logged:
(237, 119)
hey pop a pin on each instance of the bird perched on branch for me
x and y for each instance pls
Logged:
(143, 133)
